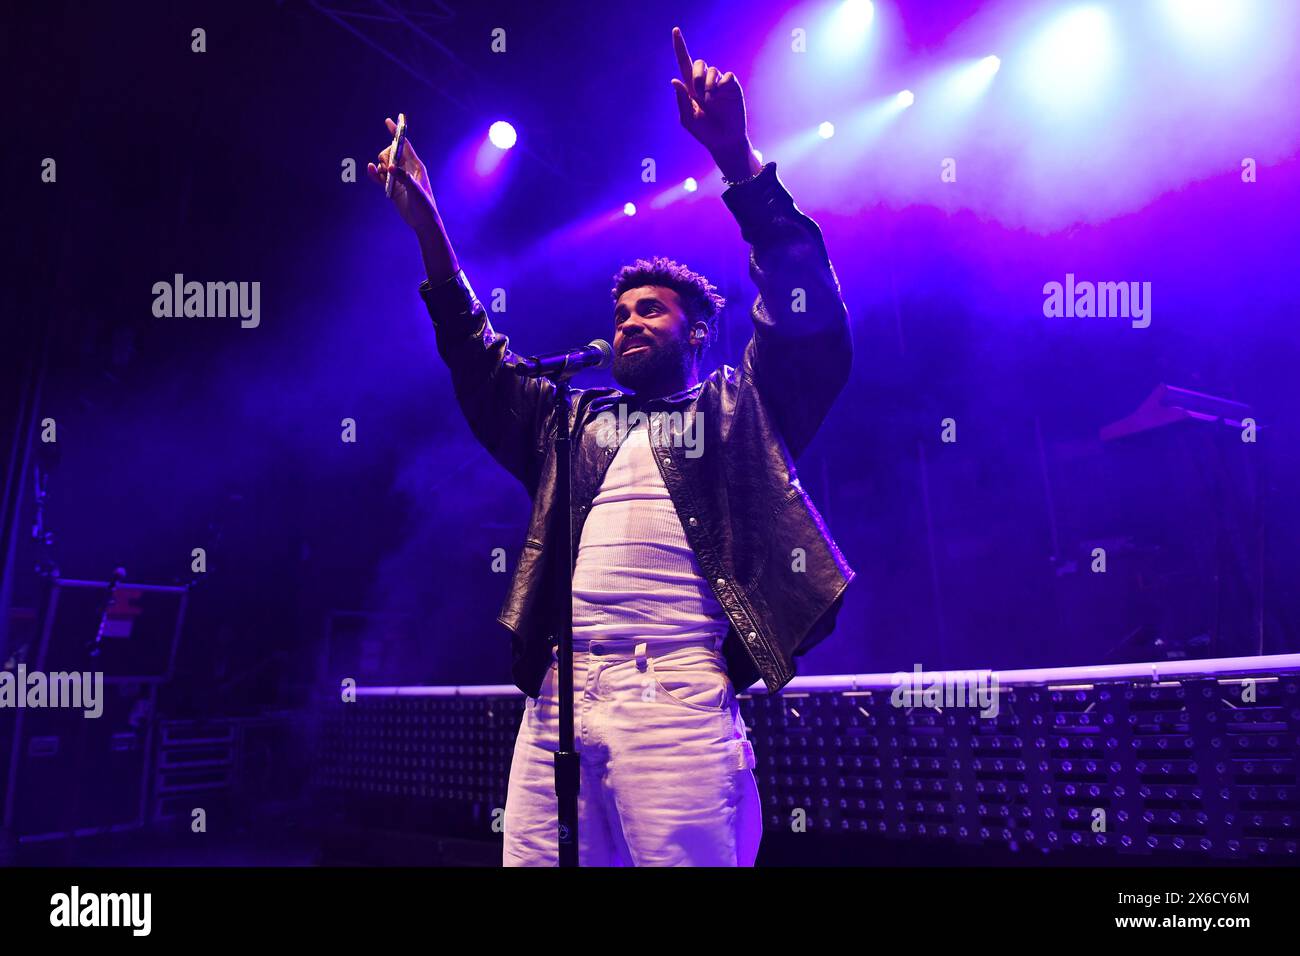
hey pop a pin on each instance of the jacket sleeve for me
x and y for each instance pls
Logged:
(801, 352)
(506, 413)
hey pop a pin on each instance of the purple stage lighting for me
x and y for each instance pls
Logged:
(502, 135)
(690, 185)
(826, 130)
(629, 209)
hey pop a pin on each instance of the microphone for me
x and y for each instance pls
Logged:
(597, 354)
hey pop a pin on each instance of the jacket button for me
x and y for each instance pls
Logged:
(692, 522)
(668, 460)
(721, 582)
(753, 635)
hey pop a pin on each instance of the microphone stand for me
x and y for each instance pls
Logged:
(559, 368)
(567, 769)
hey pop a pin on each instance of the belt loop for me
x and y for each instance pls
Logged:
(640, 656)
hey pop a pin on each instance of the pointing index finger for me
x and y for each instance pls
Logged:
(684, 60)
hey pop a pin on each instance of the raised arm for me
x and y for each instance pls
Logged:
(506, 413)
(801, 352)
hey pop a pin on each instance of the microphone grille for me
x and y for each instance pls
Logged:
(606, 352)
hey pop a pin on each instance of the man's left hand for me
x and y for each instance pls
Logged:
(712, 109)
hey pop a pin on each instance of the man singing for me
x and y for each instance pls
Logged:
(701, 563)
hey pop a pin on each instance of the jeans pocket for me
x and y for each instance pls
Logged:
(550, 681)
(695, 682)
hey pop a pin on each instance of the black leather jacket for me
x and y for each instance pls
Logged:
(756, 534)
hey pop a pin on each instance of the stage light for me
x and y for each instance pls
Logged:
(858, 129)
(502, 134)
(1070, 60)
(826, 130)
(1212, 23)
(690, 185)
(629, 209)
(855, 16)
(848, 26)
(967, 81)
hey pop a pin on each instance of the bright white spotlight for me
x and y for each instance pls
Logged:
(826, 130)
(1212, 24)
(629, 209)
(502, 134)
(855, 15)
(905, 99)
(969, 80)
(690, 185)
(1069, 62)
(848, 26)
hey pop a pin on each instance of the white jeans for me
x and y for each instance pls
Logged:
(667, 774)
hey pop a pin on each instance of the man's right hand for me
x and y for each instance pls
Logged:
(412, 194)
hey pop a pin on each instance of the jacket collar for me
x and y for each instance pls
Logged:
(666, 401)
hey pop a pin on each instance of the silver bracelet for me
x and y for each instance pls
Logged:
(747, 179)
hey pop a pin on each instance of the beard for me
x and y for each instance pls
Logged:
(658, 363)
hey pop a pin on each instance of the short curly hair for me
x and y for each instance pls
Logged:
(699, 296)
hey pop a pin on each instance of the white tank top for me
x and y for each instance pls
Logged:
(636, 575)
